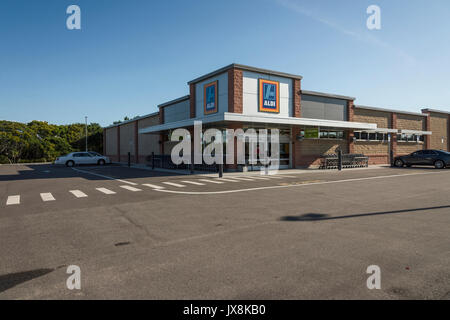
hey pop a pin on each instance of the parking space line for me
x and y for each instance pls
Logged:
(105, 191)
(131, 188)
(211, 181)
(78, 193)
(194, 183)
(13, 200)
(106, 177)
(174, 184)
(154, 186)
(47, 197)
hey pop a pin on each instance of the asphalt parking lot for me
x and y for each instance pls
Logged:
(150, 235)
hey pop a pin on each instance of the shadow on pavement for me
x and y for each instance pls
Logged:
(49, 171)
(11, 280)
(319, 216)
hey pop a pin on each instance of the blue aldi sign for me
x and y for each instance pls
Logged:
(269, 96)
(210, 97)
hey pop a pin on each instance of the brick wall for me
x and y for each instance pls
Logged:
(235, 90)
(438, 125)
(296, 88)
(381, 118)
(411, 122)
(192, 99)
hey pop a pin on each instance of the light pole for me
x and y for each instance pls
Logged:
(86, 132)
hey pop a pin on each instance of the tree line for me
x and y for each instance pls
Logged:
(39, 141)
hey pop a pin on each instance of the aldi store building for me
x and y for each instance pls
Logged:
(311, 123)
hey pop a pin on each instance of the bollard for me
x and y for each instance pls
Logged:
(129, 159)
(340, 159)
(220, 170)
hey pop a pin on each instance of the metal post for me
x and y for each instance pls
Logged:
(220, 170)
(340, 159)
(129, 158)
(86, 133)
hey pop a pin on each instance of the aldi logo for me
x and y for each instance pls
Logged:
(210, 97)
(269, 96)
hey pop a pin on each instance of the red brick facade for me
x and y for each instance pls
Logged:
(192, 99)
(235, 90)
(296, 93)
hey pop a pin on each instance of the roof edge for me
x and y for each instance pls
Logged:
(390, 110)
(135, 119)
(246, 68)
(435, 111)
(168, 103)
(328, 95)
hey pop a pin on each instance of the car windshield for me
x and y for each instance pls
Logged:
(94, 154)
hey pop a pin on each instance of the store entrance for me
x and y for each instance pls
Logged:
(284, 152)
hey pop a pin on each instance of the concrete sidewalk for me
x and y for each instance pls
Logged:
(249, 173)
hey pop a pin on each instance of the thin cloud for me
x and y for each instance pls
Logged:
(363, 38)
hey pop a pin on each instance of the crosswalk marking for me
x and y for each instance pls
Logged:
(154, 186)
(260, 178)
(47, 197)
(194, 183)
(227, 180)
(131, 188)
(211, 181)
(13, 200)
(242, 178)
(78, 193)
(105, 191)
(174, 184)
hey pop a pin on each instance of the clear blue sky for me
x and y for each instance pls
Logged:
(132, 55)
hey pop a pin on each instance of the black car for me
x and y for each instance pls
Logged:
(437, 158)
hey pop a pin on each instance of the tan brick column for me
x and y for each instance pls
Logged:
(350, 116)
(394, 135)
(428, 128)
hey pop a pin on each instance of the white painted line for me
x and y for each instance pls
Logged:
(106, 177)
(300, 185)
(228, 180)
(13, 200)
(260, 178)
(78, 193)
(154, 186)
(47, 197)
(242, 178)
(105, 191)
(131, 188)
(194, 183)
(175, 184)
(211, 181)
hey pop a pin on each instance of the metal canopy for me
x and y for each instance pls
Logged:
(227, 117)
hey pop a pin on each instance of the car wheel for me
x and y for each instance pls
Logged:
(70, 163)
(399, 163)
(101, 162)
(439, 164)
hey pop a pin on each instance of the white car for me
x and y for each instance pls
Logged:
(77, 158)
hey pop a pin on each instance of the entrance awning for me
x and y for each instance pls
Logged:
(416, 132)
(261, 119)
